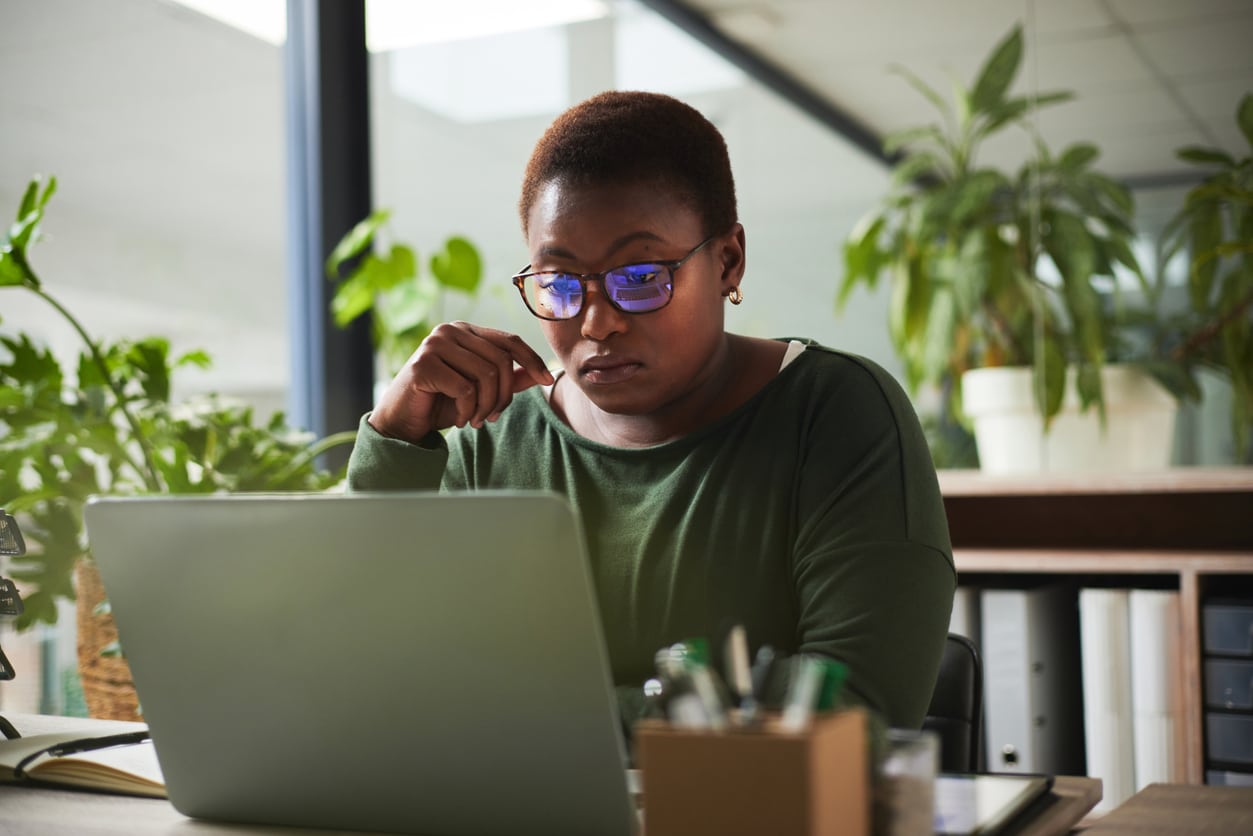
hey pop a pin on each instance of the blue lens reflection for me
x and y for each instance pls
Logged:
(559, 294)
(638, 288)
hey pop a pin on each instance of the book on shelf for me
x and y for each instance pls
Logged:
(121, 763)
(1156, 688)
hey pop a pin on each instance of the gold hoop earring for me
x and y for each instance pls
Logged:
(735, 295)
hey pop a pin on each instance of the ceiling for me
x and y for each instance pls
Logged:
(1149, 76)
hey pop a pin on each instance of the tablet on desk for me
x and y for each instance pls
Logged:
(974, 805)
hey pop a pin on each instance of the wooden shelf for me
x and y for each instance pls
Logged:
(1190, 525)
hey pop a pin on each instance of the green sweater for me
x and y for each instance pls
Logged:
(811, 514)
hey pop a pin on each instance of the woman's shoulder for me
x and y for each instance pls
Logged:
(838, 366)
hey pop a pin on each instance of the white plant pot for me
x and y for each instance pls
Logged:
(1009, 432)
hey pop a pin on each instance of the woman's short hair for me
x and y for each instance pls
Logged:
(621, 137)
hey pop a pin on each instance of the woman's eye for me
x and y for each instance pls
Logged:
(560, 283)
(638, 273)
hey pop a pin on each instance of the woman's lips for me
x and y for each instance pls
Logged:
(604, 370)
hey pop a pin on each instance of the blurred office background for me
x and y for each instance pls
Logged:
(164, 122)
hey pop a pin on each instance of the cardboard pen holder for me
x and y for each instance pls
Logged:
(756, 781)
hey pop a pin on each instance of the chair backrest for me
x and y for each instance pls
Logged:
(956, 710)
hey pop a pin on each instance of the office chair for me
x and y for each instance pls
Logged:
(956, 710)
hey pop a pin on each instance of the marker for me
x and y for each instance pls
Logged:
(802, 693)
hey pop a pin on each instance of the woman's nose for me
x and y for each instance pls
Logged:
(600, 319)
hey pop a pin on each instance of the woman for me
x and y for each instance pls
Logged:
(776, 484)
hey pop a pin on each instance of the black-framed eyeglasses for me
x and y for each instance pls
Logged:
(632, 288)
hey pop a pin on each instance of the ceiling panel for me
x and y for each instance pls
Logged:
(1146, 73)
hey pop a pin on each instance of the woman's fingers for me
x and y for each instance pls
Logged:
(461, 374)
(485, 357)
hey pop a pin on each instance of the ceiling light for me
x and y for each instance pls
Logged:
(393, 24)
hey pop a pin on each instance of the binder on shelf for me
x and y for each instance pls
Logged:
(1105, 648)
(1156, 698)
(1031, 669)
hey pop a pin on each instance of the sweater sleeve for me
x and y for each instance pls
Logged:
(873, 565)
(380, 463)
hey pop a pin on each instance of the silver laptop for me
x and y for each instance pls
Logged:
(407, 663)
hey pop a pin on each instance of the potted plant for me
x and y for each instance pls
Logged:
(105, 424)
(1006, 270)
(1215, 225)
(386, 282)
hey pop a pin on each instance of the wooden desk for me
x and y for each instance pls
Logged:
(1179, 808)
(53, 812)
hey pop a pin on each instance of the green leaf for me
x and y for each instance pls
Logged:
(458, 265)
(897, 140)
(352, 298)
(937, 344)
(194, 358)
(149, 363)
(963, 106)
(402, 263)
(49, 191)
(998, 72)
(1078, 155)
(1050, 380)
(1205, 156)
(918, 165)
(1113, 191)
(862, 260)
(407, 306)
(974, 195)
(1088, 385)
(1000, 114)
(1175, 378)
(23, 230)
(30, 199)
(923, 88)
(1244, 117)
(355, 241)
(1206, 231)
(11, 272)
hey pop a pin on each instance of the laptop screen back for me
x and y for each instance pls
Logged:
(416, 663)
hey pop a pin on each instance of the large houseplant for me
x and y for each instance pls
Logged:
(1215, 225)
(990, 267)
(105, 424)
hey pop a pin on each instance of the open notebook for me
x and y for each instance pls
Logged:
(69, 759)
(410, 663)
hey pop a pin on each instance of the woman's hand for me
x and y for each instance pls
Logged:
(461, 374)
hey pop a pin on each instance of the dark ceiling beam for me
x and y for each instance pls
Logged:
(774, 77)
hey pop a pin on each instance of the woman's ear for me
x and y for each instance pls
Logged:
(731, 253)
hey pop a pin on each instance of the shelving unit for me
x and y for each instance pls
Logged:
(1191, 526)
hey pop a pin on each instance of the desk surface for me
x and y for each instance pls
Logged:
(53, 812)
(1180, 808)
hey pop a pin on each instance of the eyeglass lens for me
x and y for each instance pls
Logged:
(635, 288)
